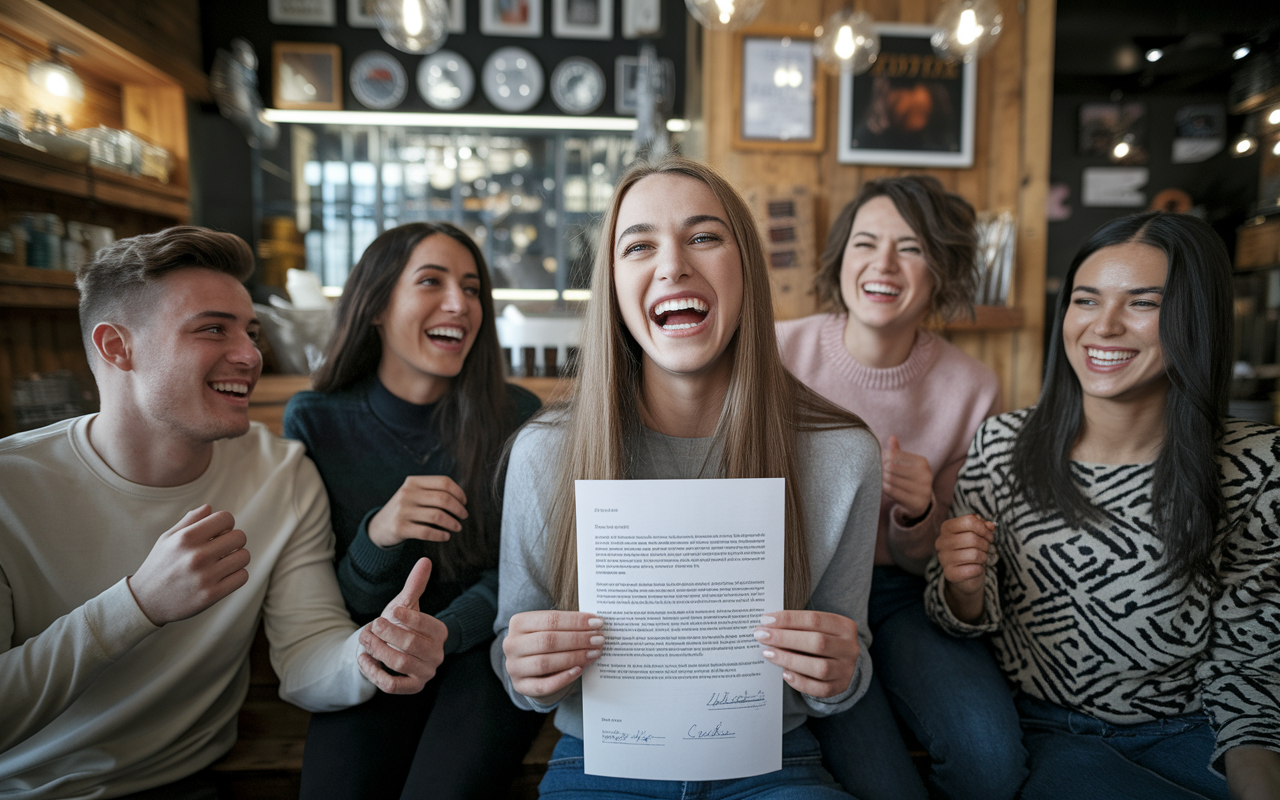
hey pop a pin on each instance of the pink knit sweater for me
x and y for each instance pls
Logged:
(933, 402)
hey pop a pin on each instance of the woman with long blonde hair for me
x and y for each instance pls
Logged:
(680, 378)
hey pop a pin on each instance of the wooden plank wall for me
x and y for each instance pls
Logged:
(1011, 159)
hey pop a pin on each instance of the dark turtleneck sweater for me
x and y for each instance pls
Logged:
(365, 441)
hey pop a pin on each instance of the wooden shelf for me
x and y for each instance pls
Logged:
(31, 167)
(25, 287)
(989, 318)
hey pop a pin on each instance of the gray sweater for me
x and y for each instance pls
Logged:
(839, 471)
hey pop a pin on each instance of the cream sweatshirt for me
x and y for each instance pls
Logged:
(95, 701)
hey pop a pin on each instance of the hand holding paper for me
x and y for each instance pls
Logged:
(546, 650)
(817, 650)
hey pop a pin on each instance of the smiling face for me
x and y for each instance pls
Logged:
(195, 358)
(884, 279)
(1111, 330)
(677, 273)
(431, 321)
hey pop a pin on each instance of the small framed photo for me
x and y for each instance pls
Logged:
(911, 109)
(511, 18)
(626, 78)
(306, 75)
(582, 19)
(778, 94)
(361, 14)
(301, 12)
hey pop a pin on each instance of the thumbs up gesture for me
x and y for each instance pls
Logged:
(404, 640)
(907, 479)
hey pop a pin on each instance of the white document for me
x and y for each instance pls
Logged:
(681, 572)
(1114, 186)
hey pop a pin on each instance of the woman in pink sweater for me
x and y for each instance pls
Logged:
(901, 251)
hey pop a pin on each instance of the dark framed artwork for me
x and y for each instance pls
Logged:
(911, 109)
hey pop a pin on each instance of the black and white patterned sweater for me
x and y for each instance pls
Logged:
(1079, 617)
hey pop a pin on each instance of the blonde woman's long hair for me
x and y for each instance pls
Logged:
(764, 408)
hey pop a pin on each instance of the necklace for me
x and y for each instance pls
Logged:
(678, 466)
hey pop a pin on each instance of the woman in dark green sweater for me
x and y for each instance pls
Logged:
(406, 426)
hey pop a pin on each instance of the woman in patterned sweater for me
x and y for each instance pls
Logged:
(1119, 539)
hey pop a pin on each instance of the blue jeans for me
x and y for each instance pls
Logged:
(949, 692)
(801, 778)
(1080, 756)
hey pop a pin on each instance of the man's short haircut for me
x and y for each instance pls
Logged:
(117, 283)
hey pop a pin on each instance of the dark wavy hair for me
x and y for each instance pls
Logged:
(944, 222)
(1196, 327)
(476, 414)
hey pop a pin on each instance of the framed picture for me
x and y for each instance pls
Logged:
(306, 75)
(626, 77)
(911, 109)
(511, 18)
(778, 95)
(1117, 131)
(301, 12)
(360, 14)
(582, 19)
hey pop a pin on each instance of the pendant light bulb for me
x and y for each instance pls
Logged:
(55, 76)
(966, 29)
(413, 26)
(724, 15)
(847, 42)
(1246, 144)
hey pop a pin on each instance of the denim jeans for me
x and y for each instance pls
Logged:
(1080, 756)
(801, 778)
(949, 692)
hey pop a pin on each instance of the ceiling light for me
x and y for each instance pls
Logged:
(1274, 116)
(966, 29)
(1155, 54)
(1275, 148)
(1240, 52)
(724, 15)
(1244, 145)
(1121, 150)
(55, 76)
(848, 42)
(414, 26)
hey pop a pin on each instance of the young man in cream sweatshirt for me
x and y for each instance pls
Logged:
(140, 546)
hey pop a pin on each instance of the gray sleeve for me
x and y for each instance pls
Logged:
(844, 514)
(520, 567)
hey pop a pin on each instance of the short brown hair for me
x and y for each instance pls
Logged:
(944, 223)
(121, 275)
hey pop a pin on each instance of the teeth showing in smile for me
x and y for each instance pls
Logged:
(872, 287)
(1110, 356)
(230, 387)
(663, 311)
(446, 331)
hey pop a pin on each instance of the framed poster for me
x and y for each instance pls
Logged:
(778, 96)
(511, 18)
(360, 14)
(306, 75)
(301, 12)
(911, 109)
(582, 19)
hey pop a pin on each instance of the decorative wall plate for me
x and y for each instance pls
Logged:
(378, 80)
(512, 79)
(446, 81)
(577, 85)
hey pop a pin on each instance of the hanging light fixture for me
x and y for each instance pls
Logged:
(847, 42)
(724, 15)
(414, 26)
(966, 29)
(1246, 144)
(55, 76)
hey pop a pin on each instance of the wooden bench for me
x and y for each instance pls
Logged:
(266, 761)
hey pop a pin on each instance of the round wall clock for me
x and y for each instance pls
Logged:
(512, 79)
(577, 85)
(446, 81)
(378, 80)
